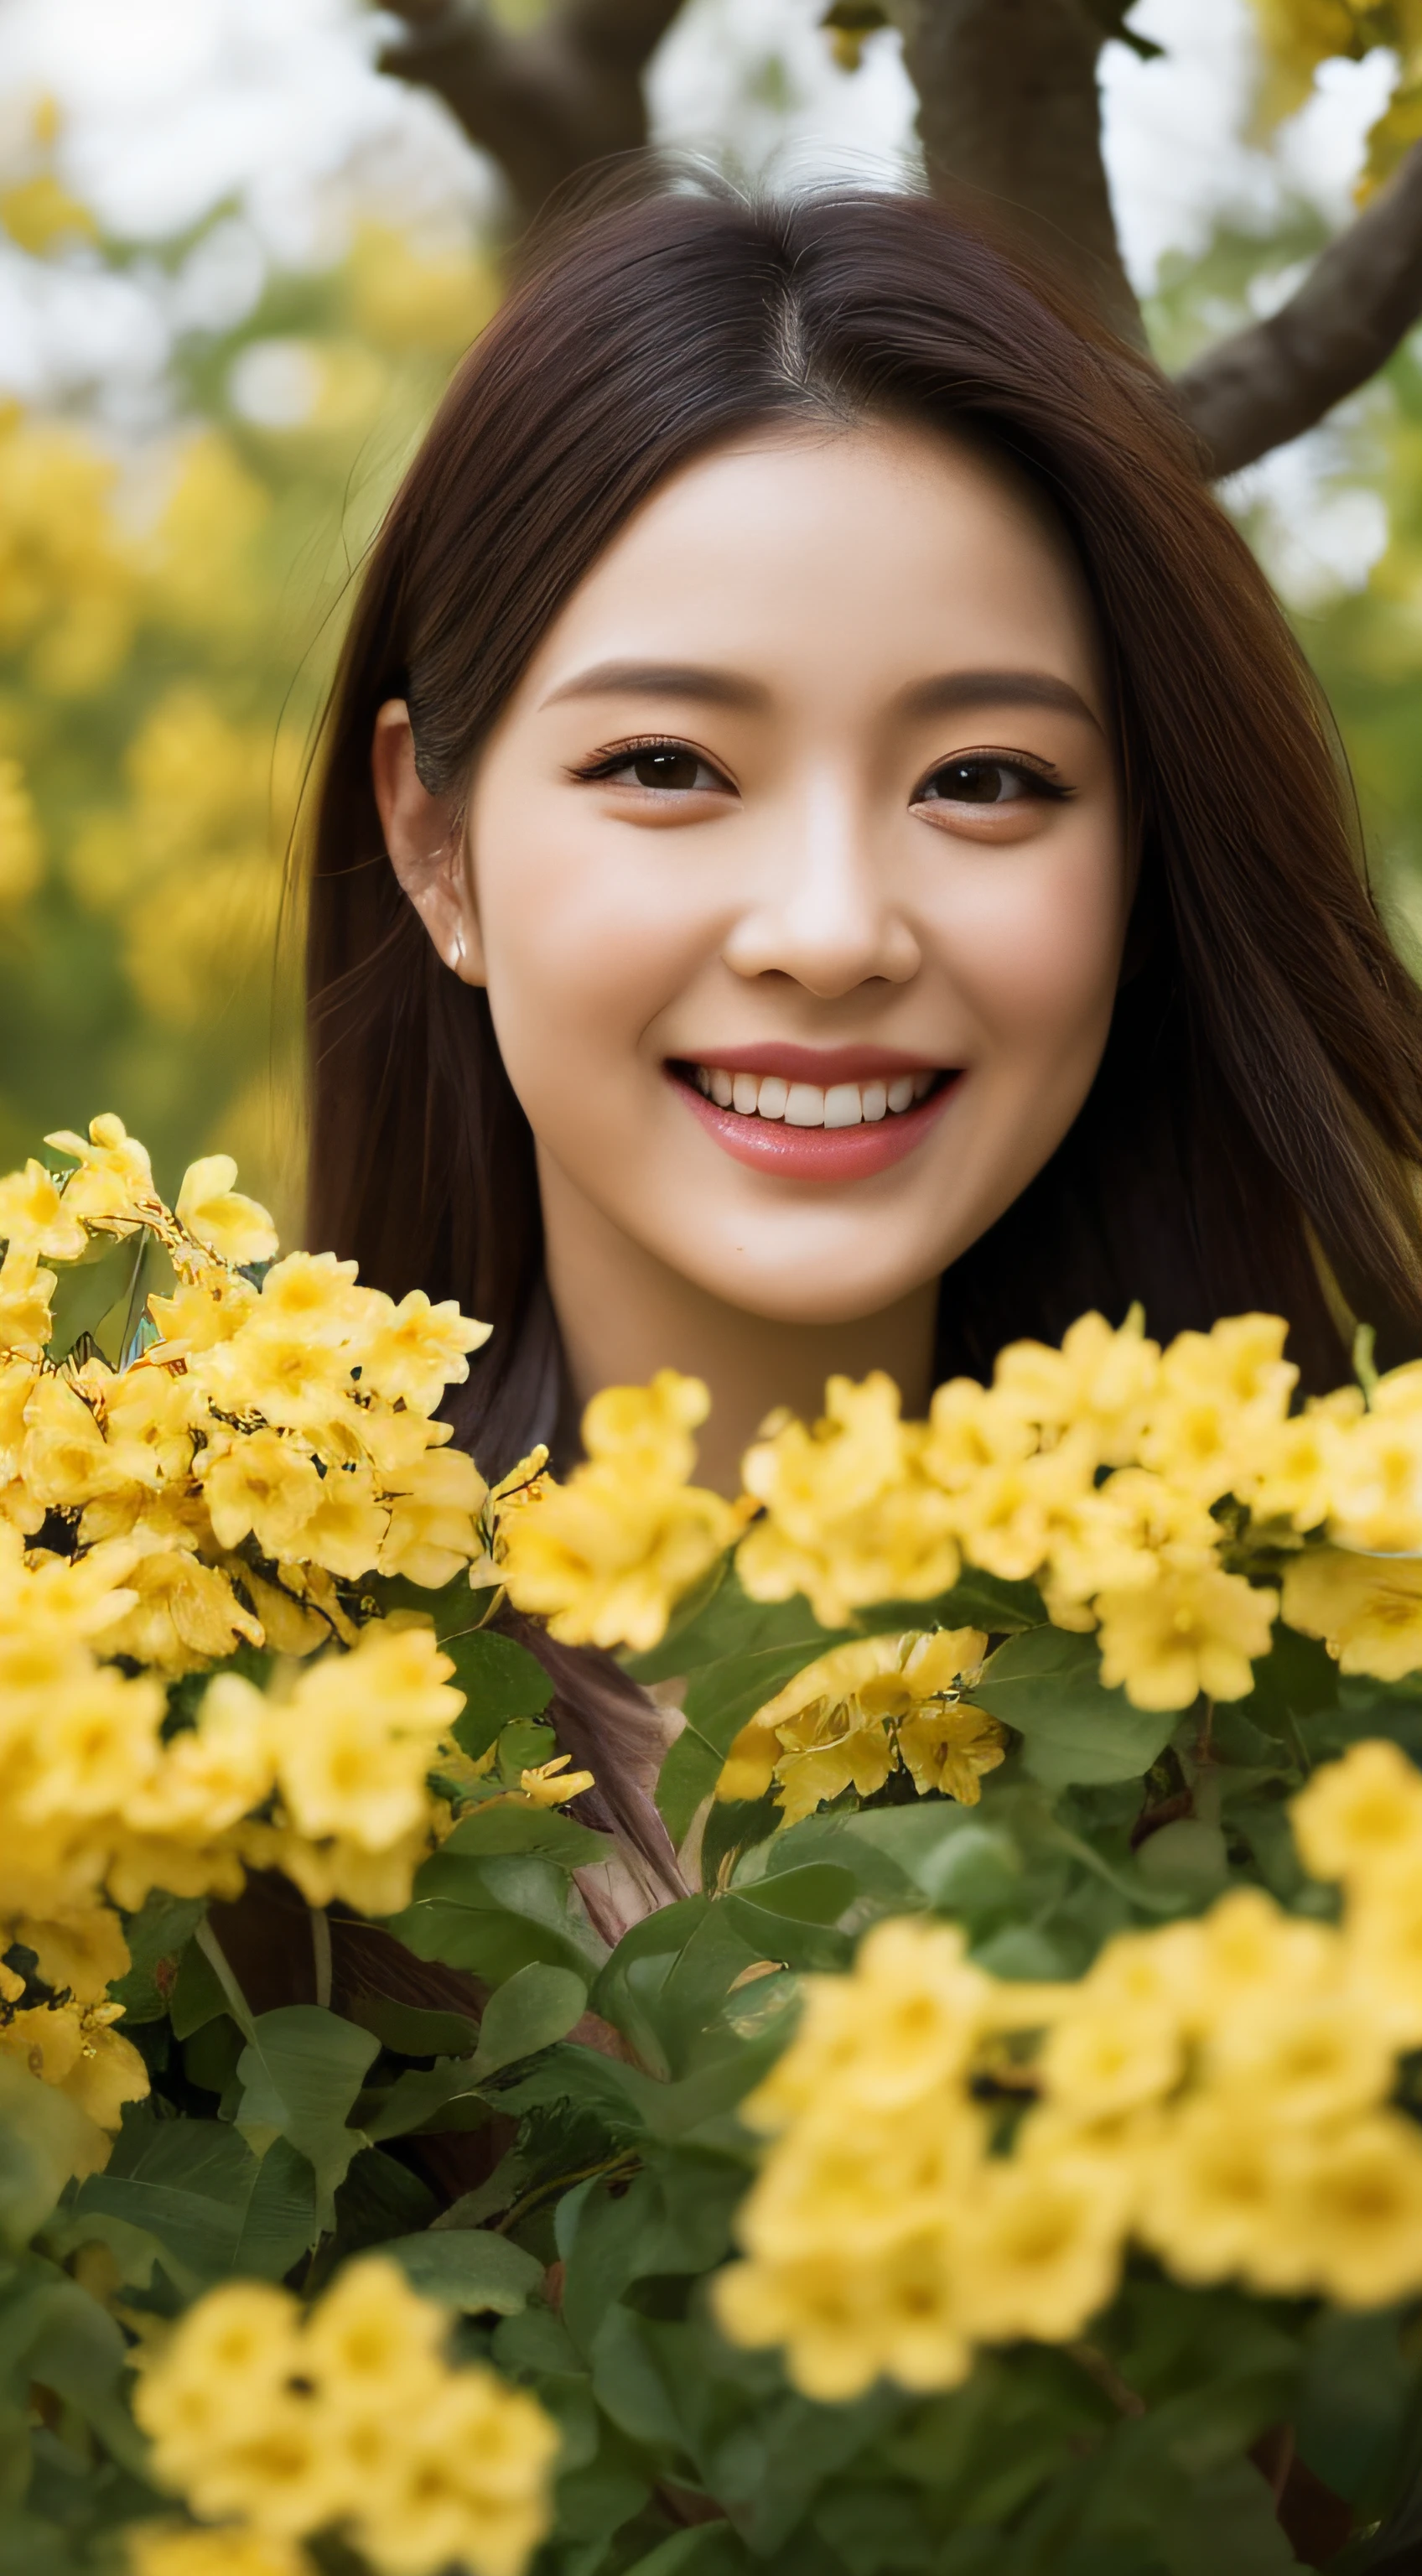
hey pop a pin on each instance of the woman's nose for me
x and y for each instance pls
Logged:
(825, 905)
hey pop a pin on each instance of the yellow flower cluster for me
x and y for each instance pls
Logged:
(603, 1557)
(1218, 2091)
(864, 1710)
(290, 1422)
(348, 2418)
(323, 1777)
(1146, 1491)
(273, 1441)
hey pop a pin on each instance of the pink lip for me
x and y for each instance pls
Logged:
(813, 1153)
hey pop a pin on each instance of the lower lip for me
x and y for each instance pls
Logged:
(817, 1153)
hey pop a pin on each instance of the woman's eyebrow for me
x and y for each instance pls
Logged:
(692, 680)
(954, 692)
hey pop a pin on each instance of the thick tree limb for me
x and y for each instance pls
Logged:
(1008, 102)
(546, 103)
(1269, 383)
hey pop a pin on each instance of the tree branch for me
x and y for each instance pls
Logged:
(1273, 381)
(546, 103)
(1008, 102)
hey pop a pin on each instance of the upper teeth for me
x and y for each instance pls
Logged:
(806, 1104)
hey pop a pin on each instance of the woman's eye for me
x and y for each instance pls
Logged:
(667, 765)
(978, 781)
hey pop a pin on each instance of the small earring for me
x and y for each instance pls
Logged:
(456, 952)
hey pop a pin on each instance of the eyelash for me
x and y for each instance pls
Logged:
(1037, 780)
(605, 763)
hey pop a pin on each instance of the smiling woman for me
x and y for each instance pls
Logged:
(887, 876)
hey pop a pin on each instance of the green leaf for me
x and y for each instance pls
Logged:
(157, 1937)
(495, 1832)
(538, 2005)
(500, 1681)
(407, 2031)
(1047, 1684)
(94, 1290)
(469, 2268)
(189, 2186)
(44, 2137)
(495, 1916)
(279, 2221)
(731, 1624)
(198, 1994)
(300, 2076)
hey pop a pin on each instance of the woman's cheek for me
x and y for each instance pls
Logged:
(1036, 951)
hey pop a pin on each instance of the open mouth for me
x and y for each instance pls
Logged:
(867, 1110)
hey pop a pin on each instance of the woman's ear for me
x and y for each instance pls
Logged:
(425, 844)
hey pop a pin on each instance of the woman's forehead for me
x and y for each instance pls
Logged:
(887, 547)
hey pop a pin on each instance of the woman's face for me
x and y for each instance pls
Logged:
(796, 870)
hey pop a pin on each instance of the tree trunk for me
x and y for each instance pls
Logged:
(1009, 105)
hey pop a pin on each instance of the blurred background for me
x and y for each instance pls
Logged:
(238, 258)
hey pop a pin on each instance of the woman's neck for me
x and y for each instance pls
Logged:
(623, 1314)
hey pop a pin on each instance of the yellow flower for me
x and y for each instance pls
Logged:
(353, 2419)
(262, 1482)
(1012, 1519)
(849, 1515)
(1375, 1498)
(347, 1529)
(84, 1951)
(435, 1503)
(356, 1738)
(972, 1430)
(855, 1713)
(649, 1427)
(1247, 1951)
(902, 2026)
(372, 2341)
(35, 1218)
(605, 1557)
(217, 2379)
(411, 1352)
(202, 1312)
(1099, 1383)
(552, 1784)
(1367, 1609)
(219, 1216)
(1294, 1463)
(1360, 1819)
(158, 2550)
(1216, 1393)
(474, 2488)
(1302, 2062)
(1384, 1952)
(1212, 2206)
(1350, 2214)
(846, 2323)
(1099, 2062)
(113, 1186)
(1192, 1630)
(25, 1292)
(1039, 2251)
(186, 1614)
